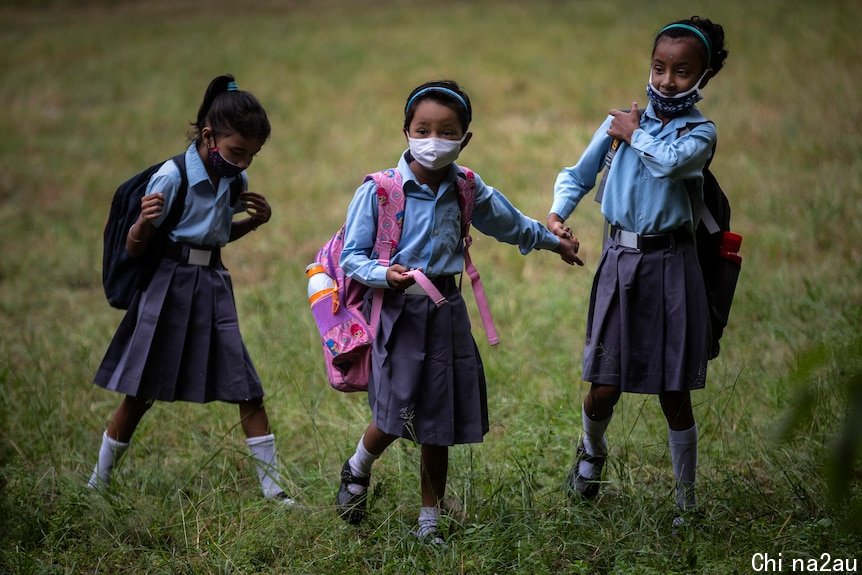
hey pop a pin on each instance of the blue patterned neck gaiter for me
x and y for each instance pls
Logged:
(673, 106)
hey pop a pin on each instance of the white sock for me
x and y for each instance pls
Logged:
(360, 466)
(683, 453)
(109, 453)
(428, 517)
(266, 463)
(595, 443)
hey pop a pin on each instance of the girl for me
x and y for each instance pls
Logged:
(180, 339)
(427, 381)
(648, 325)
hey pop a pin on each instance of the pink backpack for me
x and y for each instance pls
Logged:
(344, 333)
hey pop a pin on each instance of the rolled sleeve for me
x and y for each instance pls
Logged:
(679, 159)
(165, 181)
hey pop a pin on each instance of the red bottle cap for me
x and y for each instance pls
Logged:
(731, 241)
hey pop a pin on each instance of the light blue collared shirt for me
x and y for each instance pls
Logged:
(645, 191)
(207, 217)
(431, 237)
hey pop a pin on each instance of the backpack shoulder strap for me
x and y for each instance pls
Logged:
(698, 206)
(390, 213)
(390, 220)
(179, 203)
(466, 181)
(235, 190)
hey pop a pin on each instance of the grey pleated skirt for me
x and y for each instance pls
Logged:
(180, 340)
(648, 325)
(427, 382)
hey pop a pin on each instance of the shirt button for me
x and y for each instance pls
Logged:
(436, 232)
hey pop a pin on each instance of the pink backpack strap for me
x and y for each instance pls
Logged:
(466, 199)
(390, 220)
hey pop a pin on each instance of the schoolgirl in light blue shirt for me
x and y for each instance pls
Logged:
(431, 241)
(205, 222)
(645, 191)
(648, 325)
(427, 381)
(179, 339)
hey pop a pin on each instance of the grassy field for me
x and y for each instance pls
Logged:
(95, 91)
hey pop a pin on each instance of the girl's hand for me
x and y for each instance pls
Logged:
(568, 251)
(151, 207)
(624, 124)
(397, 278)
(556, 225)
(256, 207)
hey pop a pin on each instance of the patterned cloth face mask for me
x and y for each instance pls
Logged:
(223, 167)
(673, 106)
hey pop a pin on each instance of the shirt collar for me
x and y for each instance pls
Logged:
(196, 172)
(693, 117)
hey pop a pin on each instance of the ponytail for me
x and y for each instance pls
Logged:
(227, 110)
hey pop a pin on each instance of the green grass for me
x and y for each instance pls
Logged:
(94, 91)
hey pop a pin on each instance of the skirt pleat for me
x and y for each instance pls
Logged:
(180, 341)
(648, 323)
(428, 382)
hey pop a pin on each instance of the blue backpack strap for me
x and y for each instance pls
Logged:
(179, 204)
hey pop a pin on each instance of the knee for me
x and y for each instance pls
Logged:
(600, 401)
(677, 410)
(137, 404)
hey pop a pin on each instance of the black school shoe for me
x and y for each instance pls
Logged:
(579, 486)
(351, 506)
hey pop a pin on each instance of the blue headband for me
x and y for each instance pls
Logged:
(231, 87)
(452, 93)
(699, 34)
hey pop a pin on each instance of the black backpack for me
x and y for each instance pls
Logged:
(720, 274)
(123, 275)
(720, 269)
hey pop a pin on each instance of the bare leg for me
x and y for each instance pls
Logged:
(126, 418)
(253, 418)
(375, 441)
(600, 401)
(676, 406)
(434, 469)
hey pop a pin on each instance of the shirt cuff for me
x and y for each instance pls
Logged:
(549, 241)
(377, 278)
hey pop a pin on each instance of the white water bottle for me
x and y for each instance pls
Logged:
(319, 283)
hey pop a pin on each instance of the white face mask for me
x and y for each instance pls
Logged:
(434, 153)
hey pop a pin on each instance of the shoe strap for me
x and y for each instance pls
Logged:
(596, 460)
(349, 478)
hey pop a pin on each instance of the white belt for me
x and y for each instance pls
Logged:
(199, 257)
(626, 239)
